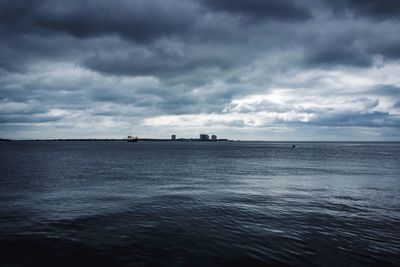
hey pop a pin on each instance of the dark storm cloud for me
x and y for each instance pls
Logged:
(156, 63)
(71, 30)
(262, 9)
(338, 53)
(390, 49)
(357, 46)
(72, 62)
(381, 9)
(116, 39)
(138, 20)
(18, 52)
(375, 9)
(331, 56)
(16, 16)
(31, 30)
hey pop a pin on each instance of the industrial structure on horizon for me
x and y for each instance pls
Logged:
(202, 137)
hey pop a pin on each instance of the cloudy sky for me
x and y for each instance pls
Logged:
(249, 70)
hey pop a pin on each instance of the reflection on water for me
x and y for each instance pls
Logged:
(199, 204)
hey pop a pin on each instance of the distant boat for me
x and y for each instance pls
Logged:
(132, 138)
(293, 146)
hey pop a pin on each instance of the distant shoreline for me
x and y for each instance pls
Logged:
(123, 140)
(177, 140)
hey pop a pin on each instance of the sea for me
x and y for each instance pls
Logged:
(114, 203)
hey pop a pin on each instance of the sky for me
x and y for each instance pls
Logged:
(245, 70)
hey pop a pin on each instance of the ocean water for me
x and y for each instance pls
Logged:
(199, 204)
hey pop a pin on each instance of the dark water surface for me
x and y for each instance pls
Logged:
(199, 204)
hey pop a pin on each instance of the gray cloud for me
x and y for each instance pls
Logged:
(352, 119)
(128, 19)
(328, 56)
(390, 49)
(156, 62)
(262, 10)
(386, 90)
(125, 37)
(95, 65)
(374, 9)
(10, 119)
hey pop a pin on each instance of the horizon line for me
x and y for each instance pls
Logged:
(197, 139)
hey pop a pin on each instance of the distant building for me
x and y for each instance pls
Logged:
(204, 137)
(132, 138)
(173, 137)
(214, 137)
